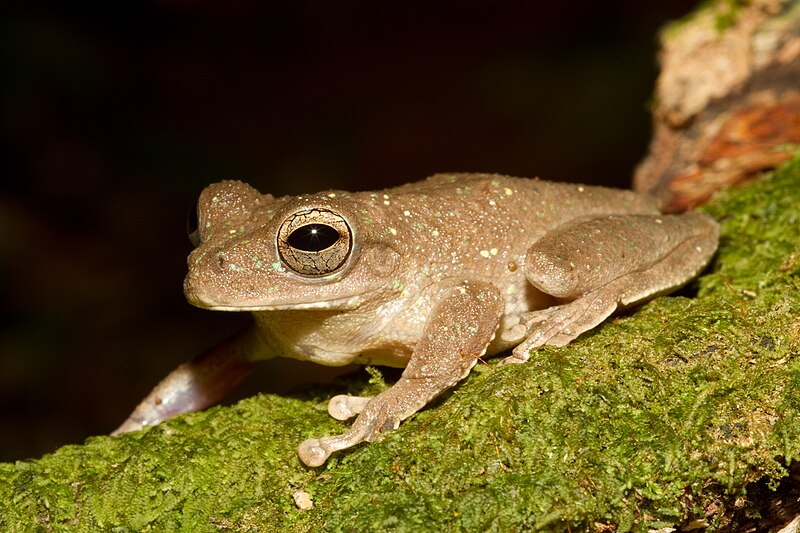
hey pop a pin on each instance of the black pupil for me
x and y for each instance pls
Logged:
(313, 237)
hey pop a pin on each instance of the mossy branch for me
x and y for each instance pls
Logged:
(658, 418)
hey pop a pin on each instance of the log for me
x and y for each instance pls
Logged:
(727, 101)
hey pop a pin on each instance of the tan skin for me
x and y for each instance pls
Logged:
(428, 276)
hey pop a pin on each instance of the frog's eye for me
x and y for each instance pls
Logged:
(315, 242)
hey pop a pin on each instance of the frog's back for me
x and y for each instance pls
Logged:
(478, 224)
(542, 202)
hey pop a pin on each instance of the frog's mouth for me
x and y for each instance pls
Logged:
(339, 303)
(239, 298)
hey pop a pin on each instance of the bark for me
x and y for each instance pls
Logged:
(727, 100)
(684, 413)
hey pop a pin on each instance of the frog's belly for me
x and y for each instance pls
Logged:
(383, 335)
(395, 356)
(389, 356)
(392, 354)
(330, 338)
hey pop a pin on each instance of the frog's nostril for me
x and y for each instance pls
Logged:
(221, 262)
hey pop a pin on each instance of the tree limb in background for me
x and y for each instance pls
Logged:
(727, 102)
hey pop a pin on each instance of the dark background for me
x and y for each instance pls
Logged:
(112, 119)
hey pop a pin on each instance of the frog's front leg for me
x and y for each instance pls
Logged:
(456, 334)
(345, 407)
(199, 383)
(605, 263)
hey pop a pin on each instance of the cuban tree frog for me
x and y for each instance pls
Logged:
(429, 276)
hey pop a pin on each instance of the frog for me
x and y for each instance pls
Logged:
(431, 277)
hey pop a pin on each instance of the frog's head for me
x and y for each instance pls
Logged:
(255, 252)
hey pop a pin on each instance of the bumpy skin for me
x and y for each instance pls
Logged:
(429, 276)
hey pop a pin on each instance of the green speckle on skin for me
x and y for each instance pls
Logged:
(647, 422)
(276, 266)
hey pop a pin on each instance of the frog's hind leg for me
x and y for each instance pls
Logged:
(607, 263)
(199, 383)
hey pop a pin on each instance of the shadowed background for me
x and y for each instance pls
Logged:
(113, 119)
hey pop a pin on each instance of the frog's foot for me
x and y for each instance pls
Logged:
(344, 407)
(525, 330)
(379, 415)
(314, 452)
(558, 325)
(517, 333)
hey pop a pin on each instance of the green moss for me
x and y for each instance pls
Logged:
(728, 15)
(725, 14)
(644, 423)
